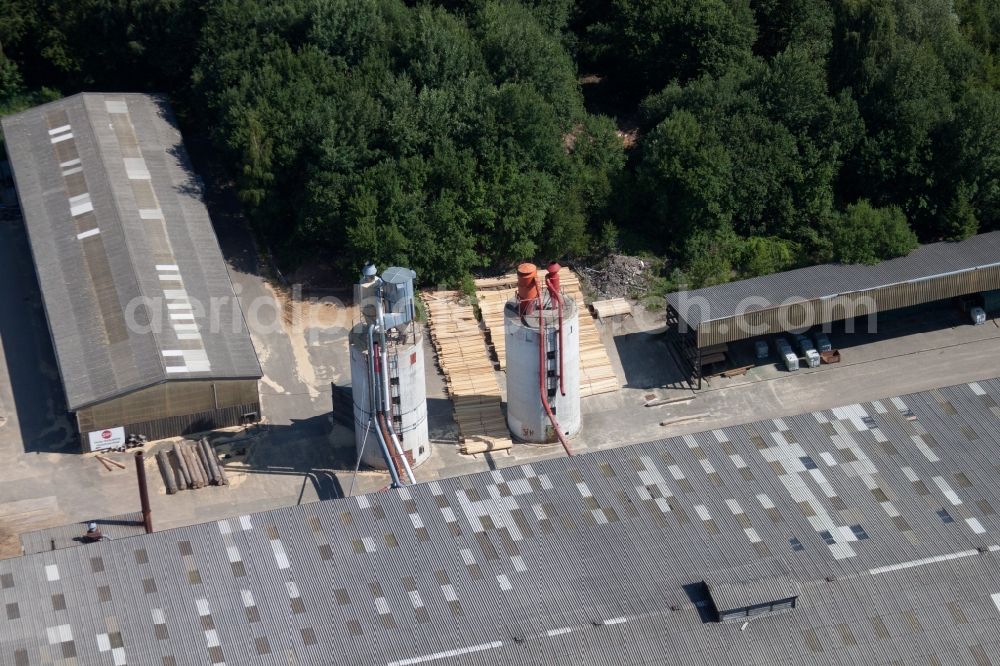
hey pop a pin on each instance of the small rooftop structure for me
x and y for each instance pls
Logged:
(748, 590)
(136, 290)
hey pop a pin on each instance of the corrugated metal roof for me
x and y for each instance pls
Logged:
(69, 536)
(829, 280)
(121, 238)
(878, 510)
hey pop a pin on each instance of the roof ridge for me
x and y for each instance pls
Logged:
(116, 205)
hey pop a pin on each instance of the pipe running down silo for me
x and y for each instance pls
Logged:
(543, 387)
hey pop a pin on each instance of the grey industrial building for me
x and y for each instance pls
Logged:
(148, 334)
(708, 318)
(866, 534)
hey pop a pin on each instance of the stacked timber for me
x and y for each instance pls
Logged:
(612, 307)
(491, 305)
(190, 465)
(596, 373)
(469, 374)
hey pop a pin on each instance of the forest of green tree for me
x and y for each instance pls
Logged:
(731, 138)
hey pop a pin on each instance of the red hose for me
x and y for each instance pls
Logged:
(554, 294)
(542, 388)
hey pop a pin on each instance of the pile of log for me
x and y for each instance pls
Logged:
(596, 373)
(469, 374)
(190, 465)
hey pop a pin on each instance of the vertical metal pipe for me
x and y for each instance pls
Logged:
(401, 453)
(375, 395)
(380, 316)
(140, 472)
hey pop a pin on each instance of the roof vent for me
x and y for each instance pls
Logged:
(753, 589)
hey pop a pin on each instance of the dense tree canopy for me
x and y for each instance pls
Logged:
(842, 131)
(456, 135)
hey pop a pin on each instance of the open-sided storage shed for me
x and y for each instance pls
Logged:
(708, 318)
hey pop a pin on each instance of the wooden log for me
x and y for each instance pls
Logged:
(176, 469)
(110, 461)
(683, 419)
(197, 476)
(182, 454)
(736, 372)
(206, 458)
(669, 401)
(484, 445)
(195, 460)
(213, 460)
(223, 479)
(205, 463)
(182, 468)
(106, 464)
(167, 472)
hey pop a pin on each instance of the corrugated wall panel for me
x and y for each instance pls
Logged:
(162, 418)
(171, 399)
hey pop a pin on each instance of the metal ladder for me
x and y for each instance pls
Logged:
(552, 371)
(395, 409)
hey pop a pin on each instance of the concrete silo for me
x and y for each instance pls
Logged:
(387, 374)
(542, 332)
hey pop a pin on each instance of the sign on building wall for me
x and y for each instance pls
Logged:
(109, 438)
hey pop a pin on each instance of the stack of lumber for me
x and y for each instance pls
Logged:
(468, 371)
(596, 373)
(491, 304)
(611, 308)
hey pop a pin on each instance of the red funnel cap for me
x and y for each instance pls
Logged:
(552, 281)
(527, 287)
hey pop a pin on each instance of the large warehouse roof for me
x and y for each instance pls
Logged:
(136, 290)
(880, 519)
(927, 262)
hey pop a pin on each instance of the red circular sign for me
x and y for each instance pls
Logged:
(106, 434)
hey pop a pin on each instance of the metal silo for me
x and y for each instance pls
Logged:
(387, 375)
(543, 370)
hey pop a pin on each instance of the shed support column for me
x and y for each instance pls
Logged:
(697, 368)
(140, 472)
